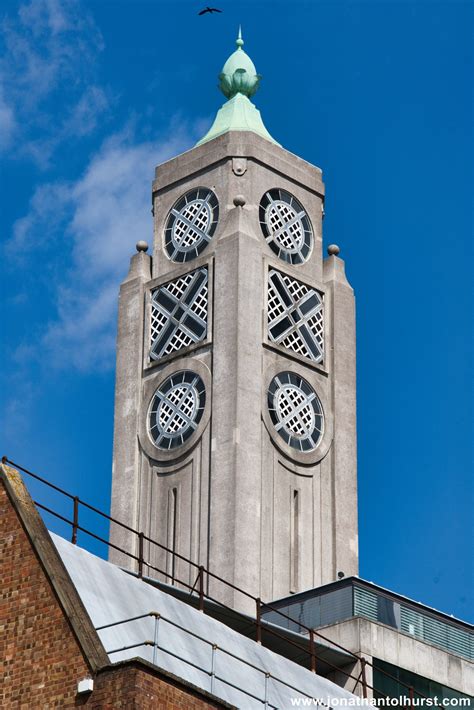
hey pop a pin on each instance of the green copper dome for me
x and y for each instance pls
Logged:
(238, 73)
(238, 81)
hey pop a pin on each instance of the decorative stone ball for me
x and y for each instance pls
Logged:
(239, 200)
(142, 246)
(333, 250)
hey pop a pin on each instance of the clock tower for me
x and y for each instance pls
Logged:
(235, 434)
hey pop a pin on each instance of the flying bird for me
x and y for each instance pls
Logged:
(209, 9)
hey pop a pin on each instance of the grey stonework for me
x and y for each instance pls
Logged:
(235, 479)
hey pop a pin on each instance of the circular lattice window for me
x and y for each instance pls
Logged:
(295, 411)
(176, 409)
(191, 224)
(286, 226)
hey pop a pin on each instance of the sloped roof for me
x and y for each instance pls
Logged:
(110, 594)
(66, 593)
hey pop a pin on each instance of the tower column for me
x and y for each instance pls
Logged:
(344, 453)
(235, 490)
(126, 457)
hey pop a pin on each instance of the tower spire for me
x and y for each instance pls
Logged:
(238, 81)
(238, 74)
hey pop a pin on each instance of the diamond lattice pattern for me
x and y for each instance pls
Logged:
(285, 225)
(295, 316)
(177, 408)
(295, 411)
(179, 314)
(192, 223)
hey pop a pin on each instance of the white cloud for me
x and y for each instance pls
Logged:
(48, 208)
(48, 91)
(98, 219)
(16, 410)
(84, 116)
(7, 122)
(50, 14)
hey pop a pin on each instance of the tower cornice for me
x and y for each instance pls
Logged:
(239, 144)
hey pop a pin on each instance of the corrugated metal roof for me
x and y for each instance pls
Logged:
(110, 595)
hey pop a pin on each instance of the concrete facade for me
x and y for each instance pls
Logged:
(226, 497)
(375, 640)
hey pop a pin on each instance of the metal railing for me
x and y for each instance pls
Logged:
(201, 583)
(215, 648)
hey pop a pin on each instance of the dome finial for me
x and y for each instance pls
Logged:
(239, 75)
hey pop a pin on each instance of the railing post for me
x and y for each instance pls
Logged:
(75, 519)
(201, 588)
(267, 676)
(311, 650)
(155, 635)
(213, 666)
(357, 680)
(258, 616)
(364, 678)
(140, 554)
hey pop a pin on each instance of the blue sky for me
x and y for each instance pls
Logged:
(94, 94)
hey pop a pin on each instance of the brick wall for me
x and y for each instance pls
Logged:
(130, 687)
(43, 661)
(41, 658)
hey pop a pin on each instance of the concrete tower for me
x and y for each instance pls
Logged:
(235, 436)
